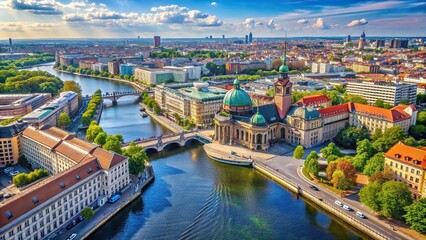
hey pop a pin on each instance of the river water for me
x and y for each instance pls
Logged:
(194, 197)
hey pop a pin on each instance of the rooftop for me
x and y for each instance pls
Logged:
(204, 94)
(407, 154)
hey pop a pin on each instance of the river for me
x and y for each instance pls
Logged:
(194, 197)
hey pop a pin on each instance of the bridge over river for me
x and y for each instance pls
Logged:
(114, 96)
(178, 139)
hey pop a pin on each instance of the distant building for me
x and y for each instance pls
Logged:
(365, 68)
(246, 40)
(74, 59)
(86, 64)
(127, 69)
(389, 92)
(408, 165)
(12, 105)
(10, 45)
(362, 42)
(114, 67)
(327, 68)
(157, 41)
(250, 37)
(49, 113)
(223, 36)
(399, 43)
(12, 56)
(10, 143)
(348, 39)
(233, 67)
(315, 101)
(380, 43)
(159, 75)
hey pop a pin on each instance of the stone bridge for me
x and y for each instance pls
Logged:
(114, 96)
(179, 139)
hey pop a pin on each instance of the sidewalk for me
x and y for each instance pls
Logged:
(165, 122)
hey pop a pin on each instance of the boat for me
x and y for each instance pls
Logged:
(141, 109)
(232, 160)
(143, 114)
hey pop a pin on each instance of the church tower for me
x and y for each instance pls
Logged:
(283, 88)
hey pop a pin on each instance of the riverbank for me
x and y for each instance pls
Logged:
(108, 211)
(163, 121)
(137, 86)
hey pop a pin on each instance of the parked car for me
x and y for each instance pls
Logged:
(72, 236)
(1, 194)
(79, 219)
(14, 173)
(71, 225)
(313, 188)
(338, 203)
(346, 207)
(8, 170)
(8, 195)
(360, 214)
(233, 153)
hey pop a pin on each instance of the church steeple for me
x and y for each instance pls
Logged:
(283, 87)
(284, 68)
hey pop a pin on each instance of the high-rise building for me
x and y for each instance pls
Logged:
(380, 43)
(250, 38)
(211, 36)
(10, 45)
(246, 42)
(399, 43)
(362, 42)
(157, 41)
(223, 36)
(348, 39)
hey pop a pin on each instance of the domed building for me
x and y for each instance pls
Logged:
(237, 101)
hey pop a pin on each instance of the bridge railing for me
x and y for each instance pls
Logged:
(149, 139)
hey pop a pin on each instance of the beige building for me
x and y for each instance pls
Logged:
(160, 75)
(409, 166)
(86, 176)
(10, 143)
(389, 92)
(365, 68)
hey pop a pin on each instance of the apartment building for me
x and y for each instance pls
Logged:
(365, 68)
(390, 92)
(84, 175)
(10, 143)
(409, 166)
(159, 75)
(12, 105)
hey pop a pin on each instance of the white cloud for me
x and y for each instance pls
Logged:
(302, 21)
(320, 24)
(357, 22)
(272, 25)
(213, 3)
(46, 7)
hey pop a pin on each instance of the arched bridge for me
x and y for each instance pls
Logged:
(114, 96)
(159, 143)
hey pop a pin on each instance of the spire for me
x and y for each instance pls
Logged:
(236, 81)
(284, 68)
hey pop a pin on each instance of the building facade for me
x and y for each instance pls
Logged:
(408, 165)
(10, 143)
(389, 92)
(53, 202)
(12, 105)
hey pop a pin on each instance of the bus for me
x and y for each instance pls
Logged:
(114, 198)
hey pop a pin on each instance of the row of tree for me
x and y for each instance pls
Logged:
(27, 178)
(9, 121)
(151, 103)
(14, 81)
(26, 61)
(186, 123)
(92, 106)
(95, 73)
(136, 154)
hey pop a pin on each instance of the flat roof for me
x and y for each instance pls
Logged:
(204, 94)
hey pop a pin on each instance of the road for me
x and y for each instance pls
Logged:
(291, 168)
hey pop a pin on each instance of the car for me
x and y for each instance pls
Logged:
(233, 153)
(360, 214)
(313, 188)
(347, 208)
(338, 203)
(8, 195)
(71, 225)
(79, 219)
(72, 236)
(52, 236)
(14, 173)
(1, 194)
(8, 170)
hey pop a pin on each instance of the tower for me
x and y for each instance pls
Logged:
(157, 41)
(250, 38)
(283, 88)
(246, 42)
(361, 43)
(10, 45)
(348, 39)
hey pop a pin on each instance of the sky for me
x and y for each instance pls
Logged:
(201, 18)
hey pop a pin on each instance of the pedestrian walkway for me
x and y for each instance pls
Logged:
(165, 122)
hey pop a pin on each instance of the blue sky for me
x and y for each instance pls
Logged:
(200, 18)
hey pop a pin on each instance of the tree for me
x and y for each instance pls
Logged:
(339, 181)
(354, 99)
(421, 118)
(374, 164)
(348, 170)
(382, 176)
(270, 92)
(64, 120)
(410, 141)
(331, 149)
(332, 158)
(365, 146)
(72, 86)
(20, 179)
(87, 213)
(101, 138)
(298, 152)
(379, 103)
(137, 157)
(416, 215)
(390, 137)
(112, 143)
(331, 168)
(311, 163)
(49, 87)
(405, 102)
(393, 197)
(93, 130)
(368, 195)
(340, 89)
(418, 131)
(377, 134)
(359, 161)
(350, 135)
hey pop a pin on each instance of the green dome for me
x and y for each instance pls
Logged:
(237, 97)
(283, 69)
(258, 120)
(306, 113)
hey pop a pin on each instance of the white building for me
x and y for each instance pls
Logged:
(86, 176)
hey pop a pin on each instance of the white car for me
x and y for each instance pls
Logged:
(14, 173)
(360, 214)
(8, 170)
(72, 236)
(338, 203)
(347, 208)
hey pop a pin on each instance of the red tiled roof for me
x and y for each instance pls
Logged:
(394, 114)
(48, 188)
(334, 110)
(313, 99)
(407, 154)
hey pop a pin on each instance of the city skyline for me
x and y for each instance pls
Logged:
(113, 19)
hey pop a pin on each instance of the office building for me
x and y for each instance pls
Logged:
(246, 40)
(127, 69)
(380, 43)
(114, 67)
(10, 143)
(250, 39)
(157, 41)
(348, 38)
(49, 113)
(399, 43)
(10, 45)
(327, 68)
(84, 175)
(12, 105)
(408, 165)
(389, 92)
(160, 75)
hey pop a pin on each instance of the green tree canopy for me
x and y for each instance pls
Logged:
(374, 164)
(393, 197)
(112, 143)
(350, 135)
(311, 163)
(416, 215)
(368, 195)
(137, 157)
(100, 139)
(64, 120)
(331, 149)
(87, 213)
(298, 152)
(379, 103)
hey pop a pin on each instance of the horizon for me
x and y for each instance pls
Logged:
(38, 19)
